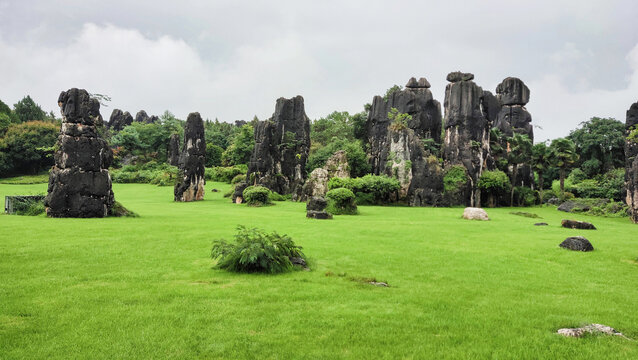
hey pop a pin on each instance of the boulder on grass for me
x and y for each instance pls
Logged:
(573, 206)
(577, 243)
(589, 329)
(315, 208)
(580, 225)
(472, 213)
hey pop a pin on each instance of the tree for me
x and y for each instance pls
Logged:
(563, 155)
(213, 155)
(27, 110)
(23, 147)
(600, 143)
(498, 151)
(519, 152)
(336, 124)
(241, 149)
(494, 183)
(540, 163)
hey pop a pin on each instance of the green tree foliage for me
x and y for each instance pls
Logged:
(150, 140)
(27, 110)
(494, 183)
(455, 178)
(335, 125)
(22, 148)
(213, 155)
(5, 121)
(540, 163)
(391, 91)
(357, 159)
(497, 148)
(220, 133)
(399, 120)
(600, 142)
(519, 152)
(241, 148)
(341, 201)
(563, 156)
(254, 250)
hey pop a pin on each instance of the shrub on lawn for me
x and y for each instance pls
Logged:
(369, 189)
(224, 173)
(29, 206)
(341, 201)
(275, 196)
(255, 250)
(257, 196)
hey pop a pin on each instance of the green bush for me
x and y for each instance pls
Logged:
(524, 196)
(238, 178)
(494, 183)
(357, 159)
(341, 201)
(256, 251)
(29, 206)
(224, 173)
(160, 174)
(370, 189)
(257, 195)
(455, 178)
(275, 196)
(118, 210)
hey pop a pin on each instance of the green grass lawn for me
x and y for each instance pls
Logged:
(146, 288)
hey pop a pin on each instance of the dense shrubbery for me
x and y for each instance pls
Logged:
(149, 173)
(357, 158)
(455, 178)
(225, 173)
(494, 184)
(608, 185)
(29, 206)
(369, 189)
(26, 148)
(257, 195)
(341, 201)
(255, 250)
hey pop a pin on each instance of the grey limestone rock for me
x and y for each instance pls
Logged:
(190, 186)
(282, 144)
(119, 120)
(577, 243)
(631, 164)
(79, 182)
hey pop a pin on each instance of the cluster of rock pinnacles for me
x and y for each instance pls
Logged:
(80, 185)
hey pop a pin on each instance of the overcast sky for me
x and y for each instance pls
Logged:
(232, 59)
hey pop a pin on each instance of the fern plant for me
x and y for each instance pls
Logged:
(254, 250)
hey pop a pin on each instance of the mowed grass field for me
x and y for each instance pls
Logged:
(128, 288)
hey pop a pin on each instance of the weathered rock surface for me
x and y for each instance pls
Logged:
(79, 182)
(541, 224)
(119, 120)
(418, 172)
(573, 205)
(577, 243)
(399, 152)
(142, 117)
(317, 183)
(574, 224)
(337, 165)
(238, 194)
(466, 130)
(589, 329)
(472, 213)
(316, 208)
(457, 76)
(173, 150)
(512, 91)
(631, 164)
(190, 186)
(282, 144)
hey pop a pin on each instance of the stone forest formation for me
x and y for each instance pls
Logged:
(409, 137)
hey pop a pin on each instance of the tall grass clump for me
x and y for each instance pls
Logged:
(254, 250)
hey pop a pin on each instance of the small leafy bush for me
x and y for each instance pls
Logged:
(238, 178)
(254, 250)
(257, 195)
(29, 206)
(341, 201)
(275, 196)
(370, 189)
(455, 178)
(224, 173)
(118, 210)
